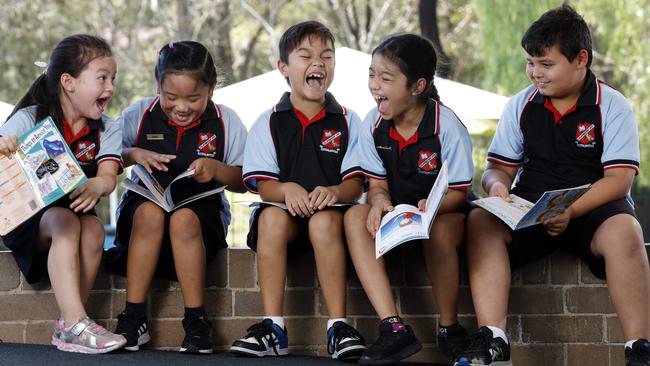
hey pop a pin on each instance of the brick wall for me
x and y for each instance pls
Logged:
(561, 314)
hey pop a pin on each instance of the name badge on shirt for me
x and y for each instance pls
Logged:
(155, 137)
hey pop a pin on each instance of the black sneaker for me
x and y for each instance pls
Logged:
(452, 340)
(198, 335)
(344, 342)
(391, 347)
(484, 349)
(263, 339)
(639, 354)
(135, 330)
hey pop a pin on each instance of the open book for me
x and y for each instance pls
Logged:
(255, 204)
(406, 222)
(520, 213)
(38, 174)
(159, 195)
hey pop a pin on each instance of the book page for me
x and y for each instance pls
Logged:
(550, 204)
(403, 224)
(18, 201)
(509, 212)
(157, 191)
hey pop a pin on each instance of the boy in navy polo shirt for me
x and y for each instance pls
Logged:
(566, 129)
(301, 153)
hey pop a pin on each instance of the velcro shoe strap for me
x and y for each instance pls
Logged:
(81, 325)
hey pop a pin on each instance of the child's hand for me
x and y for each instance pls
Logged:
(500, 190)
(557, 224)
(149, 159)
(374, 216)
(321, 197)
(205, 169)
(8, 145)
(422, 205)
(297, 200)
(85, 197)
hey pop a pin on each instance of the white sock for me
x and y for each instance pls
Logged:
(498, 332)
(277, 320)
(331, 322)
(628, 344)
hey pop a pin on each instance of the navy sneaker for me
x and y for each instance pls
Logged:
(452, 340)
(198, 335)
(263, 339)
(344, 342)
(391, 346)
(485, 349)
(638, 354)
(135, 330)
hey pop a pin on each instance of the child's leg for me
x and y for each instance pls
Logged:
(620, 241)
(189, 255)
(489, 267)
(441, 257)
(147, 232)
(59, 228)
(326, 236)
(275, 229)
(90, 252)
(371, 271)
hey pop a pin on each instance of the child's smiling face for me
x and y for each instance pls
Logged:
(183, 98)
(310, 69)
(90, 92)
(554, 75)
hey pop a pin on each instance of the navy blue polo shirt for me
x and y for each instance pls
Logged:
(412, 166)
(286, 146)
(557, 150)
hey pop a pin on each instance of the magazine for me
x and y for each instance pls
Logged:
(41, 171)
(255, 204)
(407, 222)
(159, 195)
(520, 213)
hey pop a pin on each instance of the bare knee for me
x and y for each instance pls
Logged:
(354, 223)
(620, 236)
(148, 218)
(485, 229)
(274, 230)
(447, 233)
(59, 222)
(184, 226)
(92, 234)
(324, 228)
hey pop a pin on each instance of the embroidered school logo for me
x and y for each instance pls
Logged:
(586, 134)
(427, 162)
(331, 141)
(85, 151)
(207, 144)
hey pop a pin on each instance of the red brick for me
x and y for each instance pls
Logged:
(589, 300)
(167, 304)
(538, 355)
(14, 333)
(242, 268)
(32, 306)
(39, 332)
(165, 333)
(10, 278)
(317, 334)
(616, 355)
(248, 303)
(592, 355)
(218, 302)
(614, 330)
(562, 329)
(535, 300)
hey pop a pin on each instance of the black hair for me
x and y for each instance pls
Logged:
(415, 57)
(292, 37)
(70, 56)
(562, 27)
(186, 57)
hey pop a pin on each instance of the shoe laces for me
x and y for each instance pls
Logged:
(341, 331)
(263, 331)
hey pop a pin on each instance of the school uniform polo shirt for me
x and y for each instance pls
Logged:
(558, 151)
(412, 166)
(218, 134)
(284, 145)
(97, 142)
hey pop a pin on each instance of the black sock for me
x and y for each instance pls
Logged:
(136, 308)
(396, 324)
(196, 312)
(451, 330)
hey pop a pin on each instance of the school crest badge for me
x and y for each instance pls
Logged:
(586, 134)
(331, 141)
(207, 145)
(85, 151)
(427, 161)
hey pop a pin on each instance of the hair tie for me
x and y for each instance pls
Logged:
(171, 44)
(42, 65)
